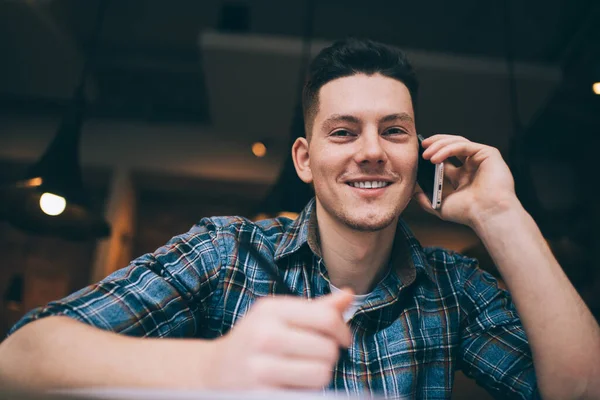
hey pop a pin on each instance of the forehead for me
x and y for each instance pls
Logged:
(364, 95)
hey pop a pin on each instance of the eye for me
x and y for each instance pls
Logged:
(341, 133)
(395, 131)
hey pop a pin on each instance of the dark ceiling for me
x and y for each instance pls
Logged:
(149, 67)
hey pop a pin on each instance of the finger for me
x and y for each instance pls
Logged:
(441, 143)
(452, 174)
(440, 136)
(281, 372)
(418, 189)
(340, 301)
(459, 149)
(321, 316)
(334, 324)
(298, 343)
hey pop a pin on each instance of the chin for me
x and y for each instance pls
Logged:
(361, 217)
(369, 223)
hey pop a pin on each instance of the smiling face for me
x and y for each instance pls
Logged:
(362, 153)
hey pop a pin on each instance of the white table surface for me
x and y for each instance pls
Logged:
(165, 394)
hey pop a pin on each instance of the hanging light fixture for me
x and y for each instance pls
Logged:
(51, 198)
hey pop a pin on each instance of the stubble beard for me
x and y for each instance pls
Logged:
(363, 224)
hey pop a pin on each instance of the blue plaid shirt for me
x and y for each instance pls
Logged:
(434, 313)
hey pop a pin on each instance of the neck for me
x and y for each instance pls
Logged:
(354, 259)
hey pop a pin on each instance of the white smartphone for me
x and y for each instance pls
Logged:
(430, 177)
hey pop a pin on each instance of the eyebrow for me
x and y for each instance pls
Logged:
(397, 117)
(335, 118)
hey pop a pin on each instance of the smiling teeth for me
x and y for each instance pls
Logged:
(368, 185)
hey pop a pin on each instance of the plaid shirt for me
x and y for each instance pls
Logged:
(434, 313)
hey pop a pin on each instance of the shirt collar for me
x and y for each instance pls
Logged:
(297, 233)
(407, 254)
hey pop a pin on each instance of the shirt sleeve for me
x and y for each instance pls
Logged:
(162, 294)
(494, 348)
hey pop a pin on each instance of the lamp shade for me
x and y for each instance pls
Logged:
(51, 199)
(58, 174)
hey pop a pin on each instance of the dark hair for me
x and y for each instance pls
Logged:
(349, 57)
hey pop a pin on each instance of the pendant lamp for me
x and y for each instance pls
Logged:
(51, 198)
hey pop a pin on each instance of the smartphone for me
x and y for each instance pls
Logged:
(430, 177)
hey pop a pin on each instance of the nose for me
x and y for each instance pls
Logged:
(371, 151)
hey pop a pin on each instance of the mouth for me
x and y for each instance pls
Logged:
(370, 185)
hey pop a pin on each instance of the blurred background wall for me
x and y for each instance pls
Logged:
(179, 92)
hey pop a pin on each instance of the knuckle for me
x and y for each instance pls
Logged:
(323, 374)
(259, 305)
(331, 351)
(260, 370)
(328, 325)
(347, 334)
(261, 342)
(263, 303)
(331, 321)
(266, 307)
(266, 339)
(492, 151)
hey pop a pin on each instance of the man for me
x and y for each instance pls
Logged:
(408, 317)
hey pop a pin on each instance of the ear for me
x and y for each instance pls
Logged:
(302, 160)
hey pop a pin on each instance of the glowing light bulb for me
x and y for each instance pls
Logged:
(259, 149)
(596, 87)
(52, 204)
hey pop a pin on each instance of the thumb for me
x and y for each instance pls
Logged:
(341, 300)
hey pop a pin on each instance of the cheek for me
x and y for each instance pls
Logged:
(324, 166)
(412, 165)
(325, 171)
(406, 167)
